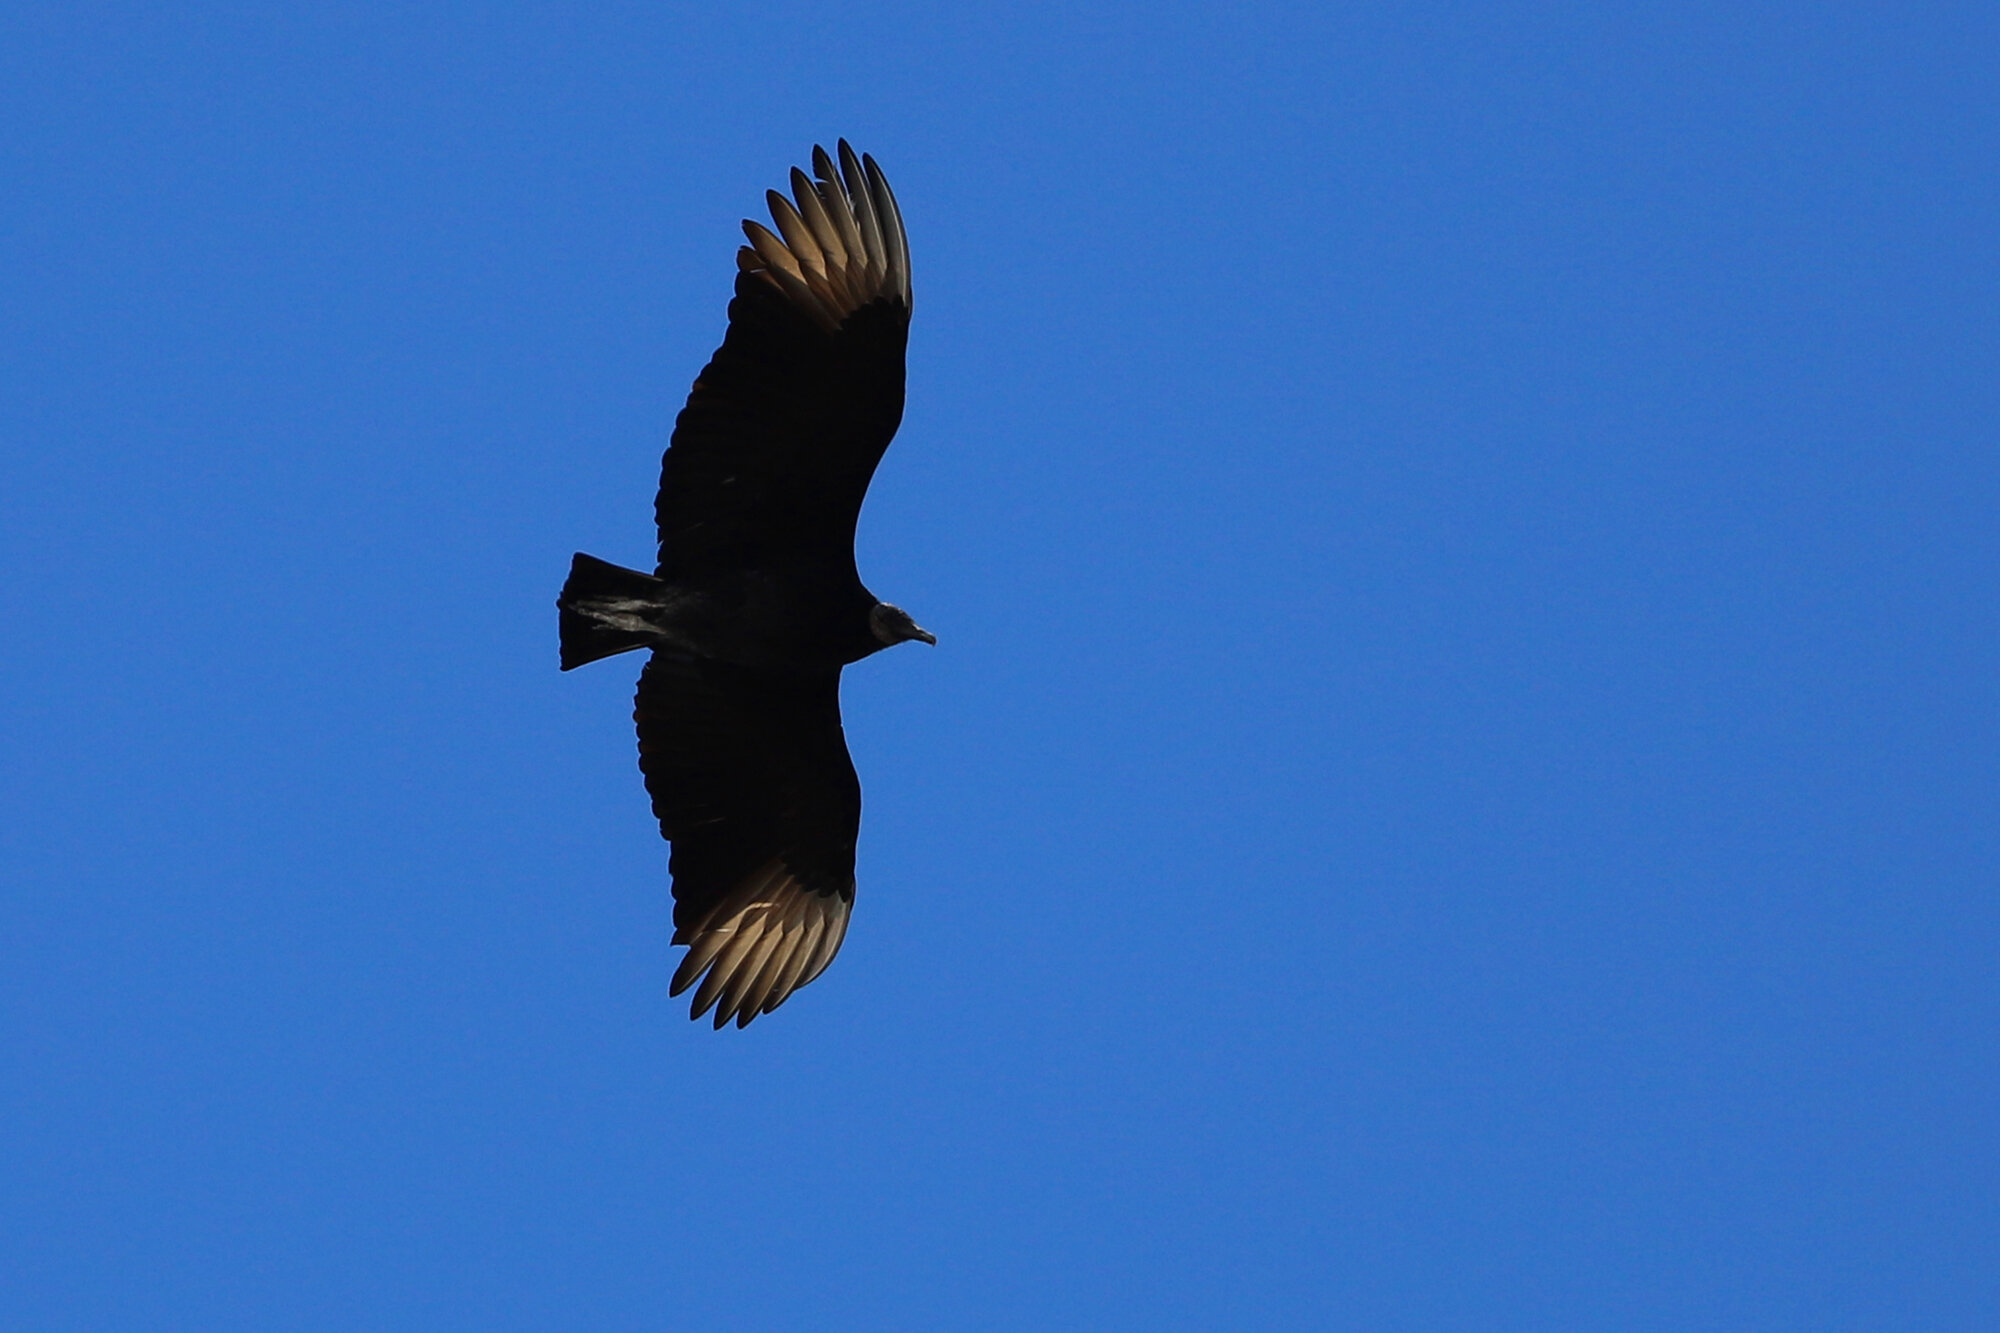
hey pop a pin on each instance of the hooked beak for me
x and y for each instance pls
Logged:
(924, 635)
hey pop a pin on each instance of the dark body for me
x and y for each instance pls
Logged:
(755, 604)
(771, 458)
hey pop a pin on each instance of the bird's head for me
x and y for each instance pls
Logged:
(892, 625)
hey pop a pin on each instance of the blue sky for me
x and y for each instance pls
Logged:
(1457, 790)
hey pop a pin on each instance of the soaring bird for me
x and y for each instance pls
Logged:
(756, 604)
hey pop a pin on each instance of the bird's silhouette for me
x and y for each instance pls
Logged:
(756, 604)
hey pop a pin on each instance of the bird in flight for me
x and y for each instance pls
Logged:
(756, 603)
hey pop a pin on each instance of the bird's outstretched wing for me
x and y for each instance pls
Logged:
(772, 455)
(752, 783)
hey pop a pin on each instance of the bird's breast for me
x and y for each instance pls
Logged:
(777, 620)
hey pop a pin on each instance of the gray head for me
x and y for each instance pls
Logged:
(892, 625)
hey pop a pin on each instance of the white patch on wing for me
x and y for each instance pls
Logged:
(840, 241)
(758, 945)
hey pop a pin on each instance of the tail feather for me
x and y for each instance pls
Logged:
(607, 609)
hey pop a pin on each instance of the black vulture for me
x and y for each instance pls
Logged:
(756, 603)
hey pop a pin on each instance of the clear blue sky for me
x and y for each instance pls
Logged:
(1459, 786)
